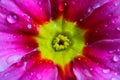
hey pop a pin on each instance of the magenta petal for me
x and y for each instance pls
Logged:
(15, 71)
(109, 29)
(40, 10)
(57, 8)
(85, 69)
(106, 53)
(13, 47)
(42, 71)
(103, 14)
(13, 20)
(77, 10)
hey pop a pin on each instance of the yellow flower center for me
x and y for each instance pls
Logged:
(61, 42)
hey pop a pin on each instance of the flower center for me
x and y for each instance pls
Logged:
(61, 42)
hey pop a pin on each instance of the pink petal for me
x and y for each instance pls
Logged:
(77, 10)
(109, 29)
(42, 71)
(13, 47)
(15, 71)
(38, 9)
(13, 20)
(31, 68)
(84, 69)
(57, 7)
(103, 14)
(106, 53)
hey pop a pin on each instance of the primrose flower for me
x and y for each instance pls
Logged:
(59, 39)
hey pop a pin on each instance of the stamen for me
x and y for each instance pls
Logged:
(61, 42)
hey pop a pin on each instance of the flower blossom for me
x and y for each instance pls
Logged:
(59, 39)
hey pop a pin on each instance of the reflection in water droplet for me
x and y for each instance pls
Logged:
(12, 18)
(115, 58)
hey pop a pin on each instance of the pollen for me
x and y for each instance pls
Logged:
(61, 42)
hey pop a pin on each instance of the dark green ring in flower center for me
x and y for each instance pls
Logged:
(61, 42)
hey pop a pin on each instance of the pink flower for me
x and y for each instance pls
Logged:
(59, 39)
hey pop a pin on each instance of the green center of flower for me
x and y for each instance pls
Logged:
(61, 42)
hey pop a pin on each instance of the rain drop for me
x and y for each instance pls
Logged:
(106, 70)
(65, 4)
(118, 28)
(12, 18)
(29, 26)
(39, 76)
(114, 79)
(81, 19)
(116, 3)
(89, 10)
(115, 58)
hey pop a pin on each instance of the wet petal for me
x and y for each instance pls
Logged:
(32, 68)
(15, 71)
(103, 14)
(57, 8)
(109, 29)
(13, 47)
(13, 20)
(106, 53)
(78, 10)
(40, 10)
(85, 69)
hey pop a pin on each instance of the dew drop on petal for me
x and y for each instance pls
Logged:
(115, 58)
(39, 77)
(12, 18)
(29, 26)
(118, 28)
(114, 79)
(65, 4)
(106, 70)
(81, 19)
(13, 58)
(89, 10)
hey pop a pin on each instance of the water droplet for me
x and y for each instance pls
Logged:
(24, 66)
(115, 58)
(13, 58)
(89, 10)
(118, 28)
(29, 26)
(65, 4)
(87, 73)
(106, 25)
(12, 18)
(116, 3)
(112, 21)
(91, 69)
(81, 19)
(112, 51)
(114, 79)
(39, 76)
(106, 70)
